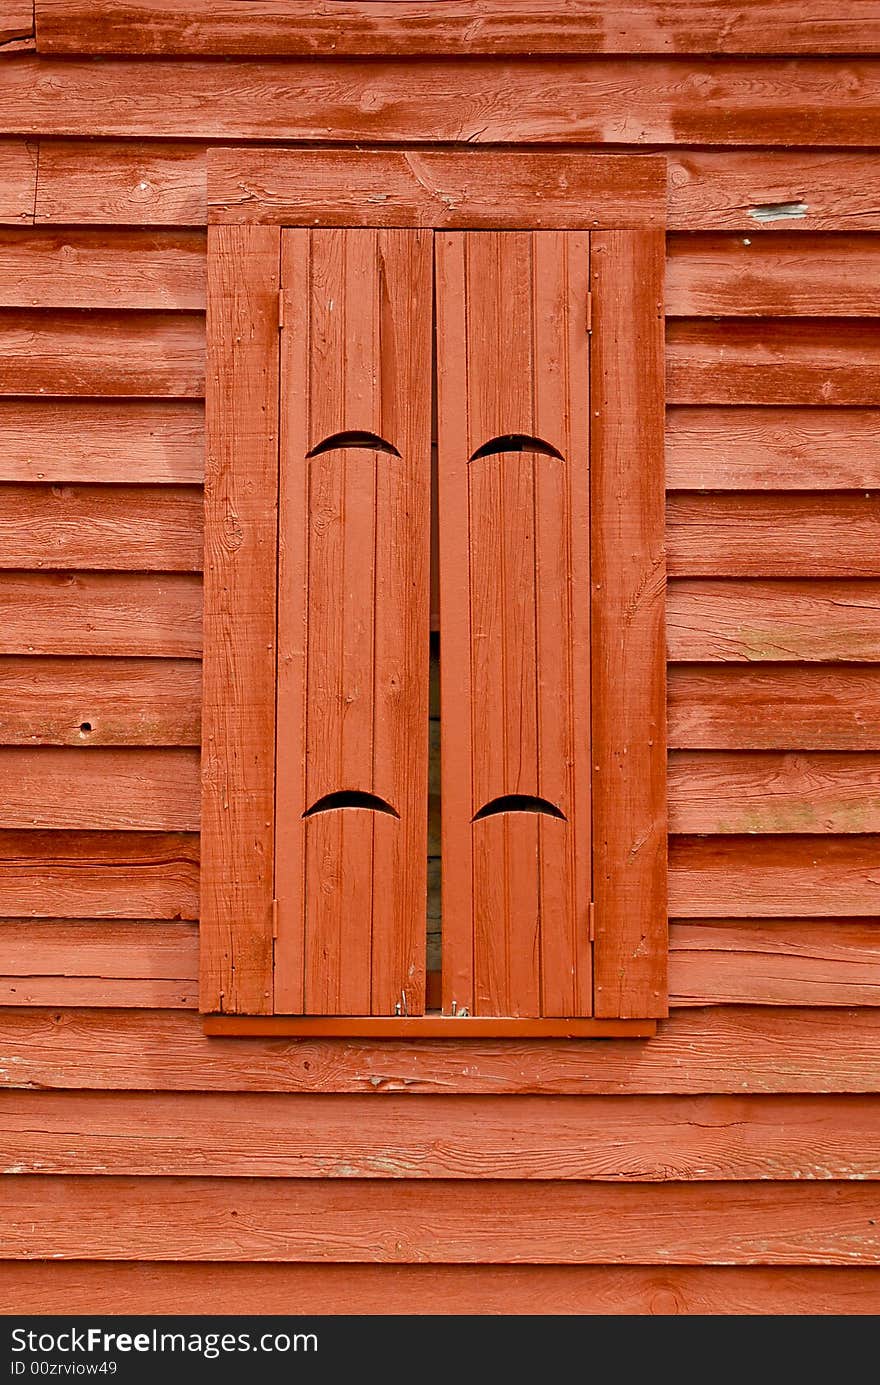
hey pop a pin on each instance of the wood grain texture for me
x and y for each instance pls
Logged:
(353, 621)
(87, 702)
(101, 353)
(438, 1222)
(102, 269)
(771, 274)
(139, 183)
(159, 441)
(133, 1287)
(704, 1138)
(801, 962)
(241, 537)
(743, 791)
(737, 1050)
(463, 27)
(628, 573)
(774, 877)
(134, 183)
(115, 965)
(775, 707)
(18, 181)
(88, 875)
(775, 449)
(100, 789)
(778, 535)
(137, 528)
(514, 573)
(779, 361)
(434, 188)
(18, 20)
(783, 621)
(98, 613)
(715, 190)
(103, 964)
(806, 102)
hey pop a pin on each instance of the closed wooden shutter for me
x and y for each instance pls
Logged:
(535, 350)
(353, 598)
(514, 484)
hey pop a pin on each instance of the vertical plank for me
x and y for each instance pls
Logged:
(453, 429)
(354, 622)
(513, 398)
(629, 809)
(402, 631)
(294, 480)
(240, 580)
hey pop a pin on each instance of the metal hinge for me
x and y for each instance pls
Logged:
(280, 309)
(274, 919)
(589, 313)
(592, 921)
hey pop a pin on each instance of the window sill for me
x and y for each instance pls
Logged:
(423, 1027)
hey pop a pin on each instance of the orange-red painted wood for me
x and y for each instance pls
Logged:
(747, 791)
(514, 466)
(88, 875)
(152, 528)
(774, 707)
(774, 877)
(439, 1222)
(771, 449)
(782, 621)
(17, 21)
(796, 962)
(101, 789)
(247, 1135)
(101, 963)
(162, 441)
(114, 183)
(86, 702)
(720, 962)
(241, 502)
(737, 1049)
(102, 269)
(724, 101)
(771, 274)
(457, 27)
(434, 188)
(142, 1287)
(776, 361)
(101, 353)
(159, 183)
(628, 592)
(354, 529)
(101, 613)
(753, 190)
(18, 182)
(777, 535)
(415, 1027)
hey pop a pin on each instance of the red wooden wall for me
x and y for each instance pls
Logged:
(727, 1165)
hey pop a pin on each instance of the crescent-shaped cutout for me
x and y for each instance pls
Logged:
(518, 803)
(351, 798)
(516, 442)
(354, 438)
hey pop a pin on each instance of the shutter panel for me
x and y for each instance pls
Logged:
(629, 594)
(239, 664)
(353, 594)
(513, 406)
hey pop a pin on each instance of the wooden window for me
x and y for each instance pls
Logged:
(514, 300)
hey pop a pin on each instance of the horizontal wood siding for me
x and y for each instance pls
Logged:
(746, 1131)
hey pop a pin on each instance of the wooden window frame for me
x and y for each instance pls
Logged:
(252, 194)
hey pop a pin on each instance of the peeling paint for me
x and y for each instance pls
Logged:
(778, 211)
